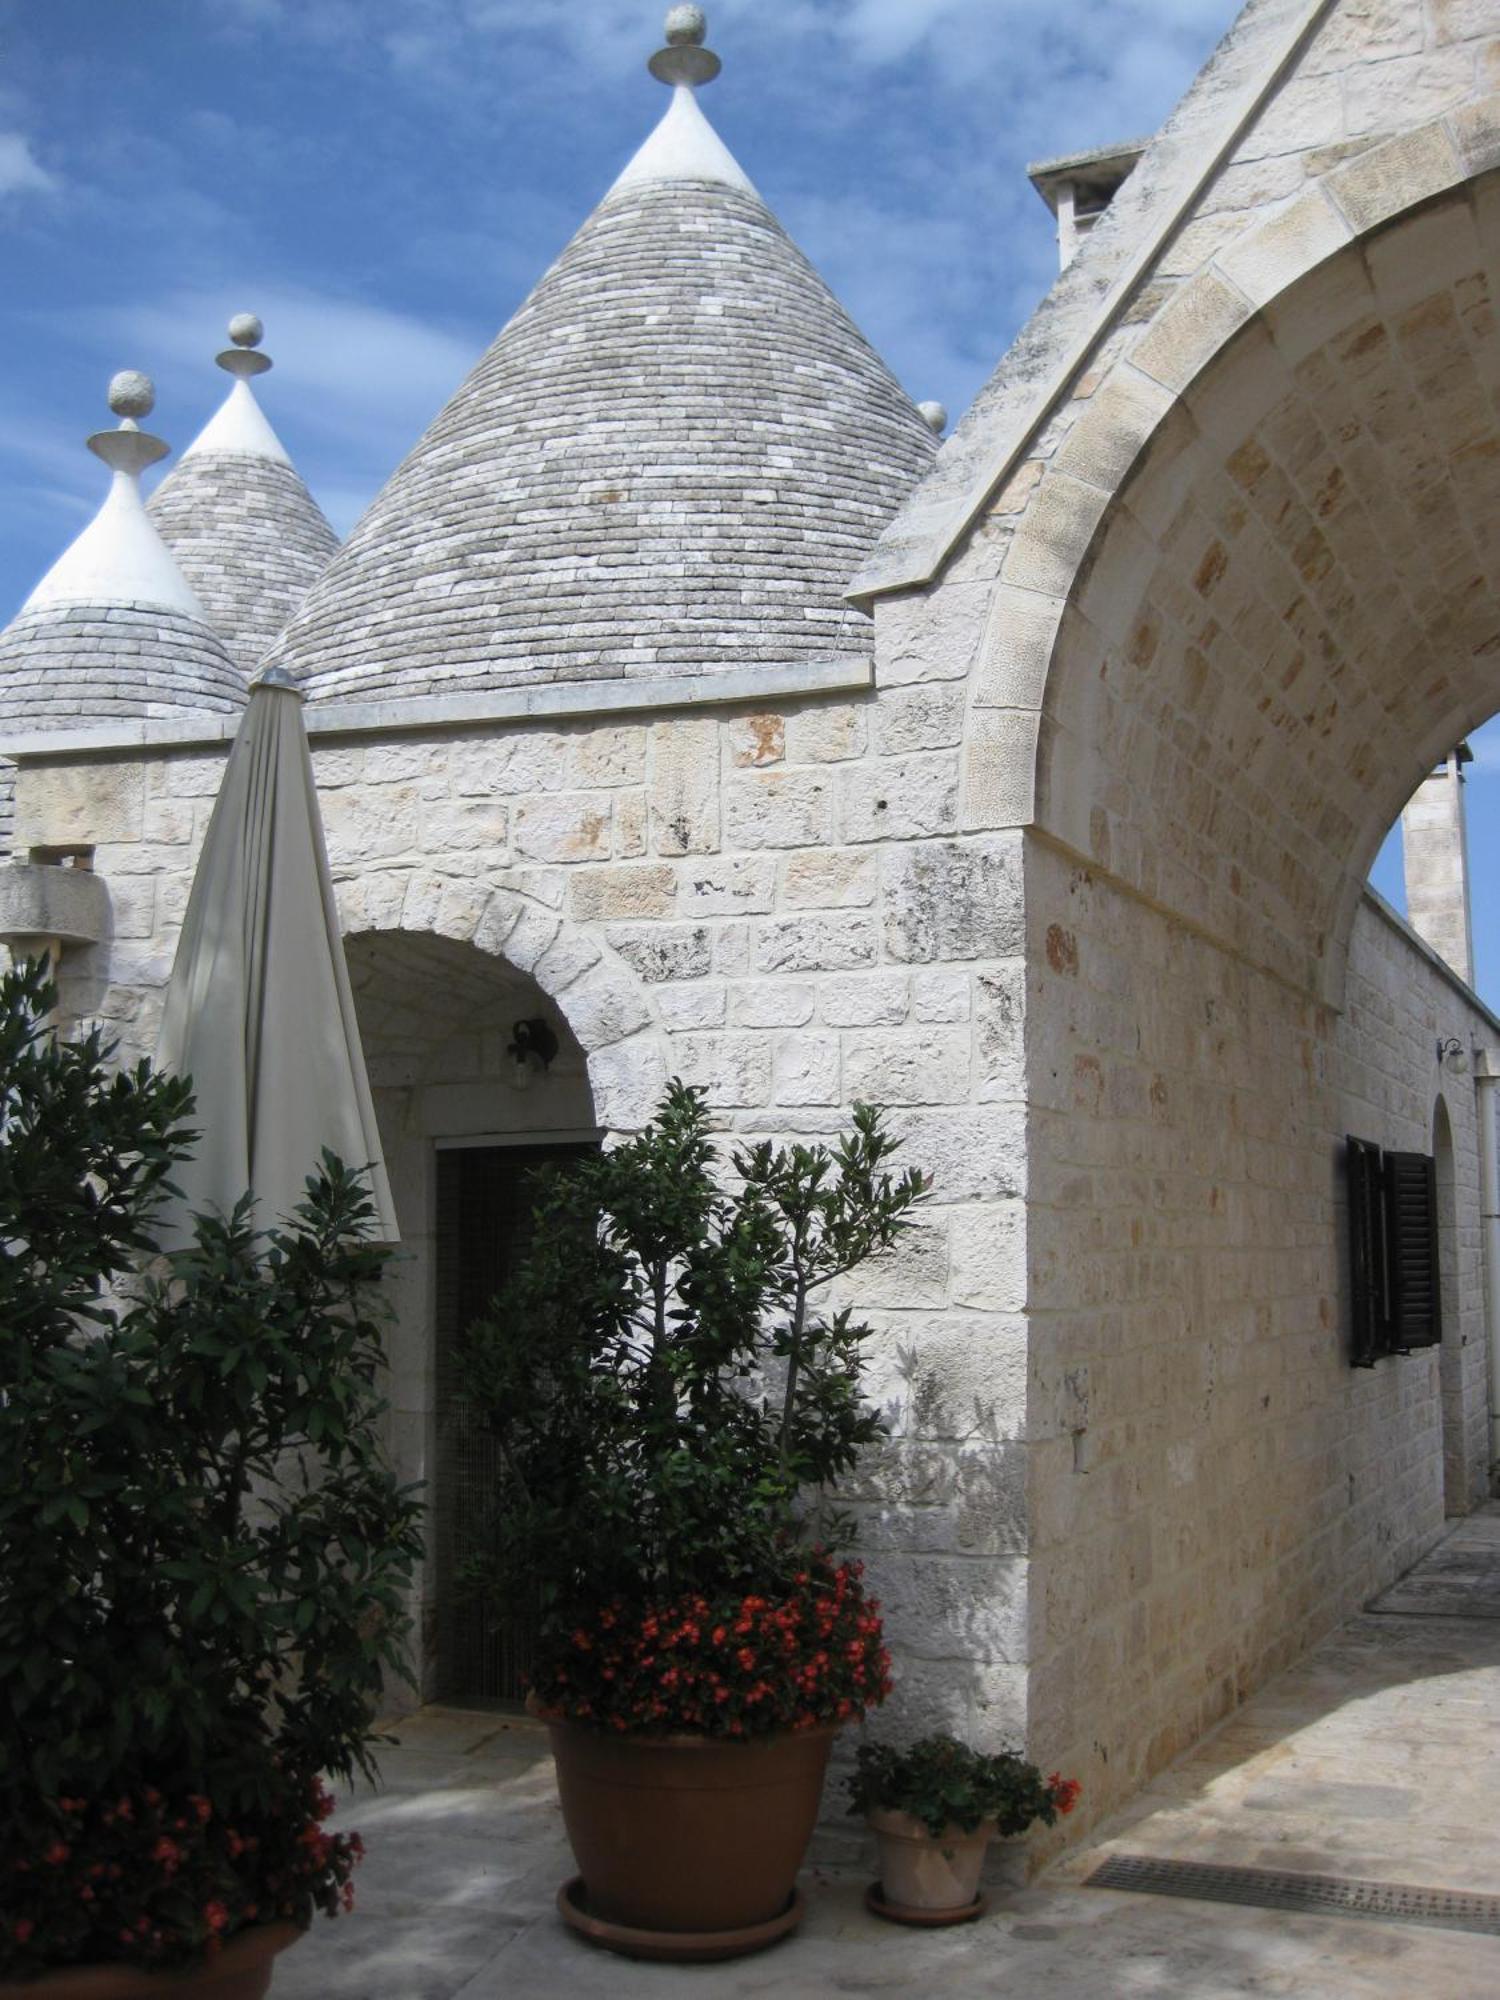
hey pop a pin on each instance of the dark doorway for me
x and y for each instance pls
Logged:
(485, 1201)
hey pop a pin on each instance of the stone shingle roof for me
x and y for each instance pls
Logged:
(63, 665)
(249, 538)
(672, 459)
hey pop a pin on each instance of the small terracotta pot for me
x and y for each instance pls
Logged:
(241, 1971)
(689, 1833)
(928, 1871)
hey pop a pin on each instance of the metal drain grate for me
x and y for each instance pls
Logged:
(1314, 1895)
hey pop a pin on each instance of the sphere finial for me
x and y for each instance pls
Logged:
(684, 59)
(242, 360)
(131, 394)
(129, 449)
(934, 416)
(686, 24)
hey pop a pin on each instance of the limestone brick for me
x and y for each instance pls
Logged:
(774, 1003)
(953, 900)
(737, 884)
(807, 1070)
(864, 1000)
(564, 826)
(821, 943)
(756, 739)
(898, 798)
(657, 952)
(826, 735)
(906, 1065)
(684, 788)
(831, 879)
(776, 808)
(643, 889)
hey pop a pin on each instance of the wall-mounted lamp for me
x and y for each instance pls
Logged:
(531, 1048)
(1452, 1054)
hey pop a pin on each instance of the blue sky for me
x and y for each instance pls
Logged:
(384, 180)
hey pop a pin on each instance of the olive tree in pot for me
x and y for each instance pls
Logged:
(670, 1405)
(934, 1808)
(203, 1556)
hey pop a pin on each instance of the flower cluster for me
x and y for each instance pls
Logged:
(150, 1878)
(944, 1783)
(724, 1666)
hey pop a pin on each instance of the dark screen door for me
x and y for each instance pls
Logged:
(485, 1200)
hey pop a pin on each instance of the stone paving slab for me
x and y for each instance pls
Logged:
(1378, 1756)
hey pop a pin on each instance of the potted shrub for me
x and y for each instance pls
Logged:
(205, 1556)
(669, 1406)
(934, 1809)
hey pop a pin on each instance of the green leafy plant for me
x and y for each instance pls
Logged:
(668, 1399)
(205, 1556)
(943, 1783)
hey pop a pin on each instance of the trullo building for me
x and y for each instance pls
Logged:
(683, 703)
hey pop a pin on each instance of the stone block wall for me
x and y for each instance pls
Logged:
(776, 904)
(1212, 1485)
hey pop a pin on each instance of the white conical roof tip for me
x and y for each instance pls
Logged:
(239, 427)
(684, 146)
(120, 558)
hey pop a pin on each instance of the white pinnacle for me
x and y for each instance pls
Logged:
(684, 146)
(120, 558)
(239, 427)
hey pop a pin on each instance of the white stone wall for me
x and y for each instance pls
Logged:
(1212, 1485)
(775, 904)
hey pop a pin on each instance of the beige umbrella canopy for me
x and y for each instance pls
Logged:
(259, 1011)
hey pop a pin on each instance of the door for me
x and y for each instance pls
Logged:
(485, 1202)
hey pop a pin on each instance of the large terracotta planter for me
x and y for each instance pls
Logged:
(687, 1837)
(241, 1971)
(928, 1877)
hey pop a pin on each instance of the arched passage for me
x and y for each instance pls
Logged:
(463, 1124)
(1255, 594)
(1291, 606)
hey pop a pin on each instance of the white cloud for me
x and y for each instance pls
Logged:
(20, 170)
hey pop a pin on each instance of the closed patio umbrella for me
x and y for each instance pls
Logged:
(259, 1010)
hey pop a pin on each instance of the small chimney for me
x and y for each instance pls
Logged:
(1435, 851)
(1078, 188)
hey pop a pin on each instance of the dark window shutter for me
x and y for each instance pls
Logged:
(1412, 1250)
(1367, 1282)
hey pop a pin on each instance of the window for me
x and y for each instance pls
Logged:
(1393, 1252)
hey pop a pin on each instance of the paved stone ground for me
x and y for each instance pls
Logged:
(1377, 1757)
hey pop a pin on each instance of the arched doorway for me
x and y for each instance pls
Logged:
(478, 1080)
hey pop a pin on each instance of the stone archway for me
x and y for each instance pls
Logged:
(442, 975)
(1239, 761)
(1253, 592)
(598, 996)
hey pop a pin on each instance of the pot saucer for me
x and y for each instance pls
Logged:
(684, 1946)
(912, 1913)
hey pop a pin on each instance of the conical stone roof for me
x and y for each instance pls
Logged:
(670, 461)
(113, 629)
(246, 532)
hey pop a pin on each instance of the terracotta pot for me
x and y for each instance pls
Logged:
(241, 1971)
(689, 1833)
(928, 1871)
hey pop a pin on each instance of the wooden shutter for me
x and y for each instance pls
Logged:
(1412, 1250)
(1367, 1279)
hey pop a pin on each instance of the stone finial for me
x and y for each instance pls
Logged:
(935, 416)
(132, 394)
(685, 60)
(241, 360)
(129, 449)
